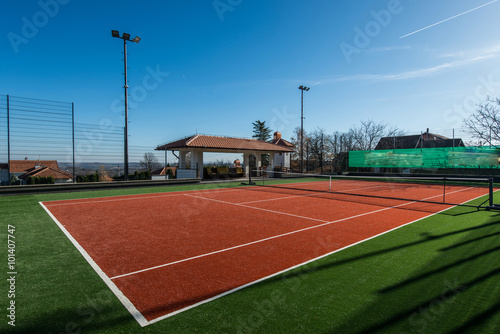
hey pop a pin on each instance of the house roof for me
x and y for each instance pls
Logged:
(223, 143)
(417, 141)
(282, 142)
(23, 166)
(43, 171)
(163, 171)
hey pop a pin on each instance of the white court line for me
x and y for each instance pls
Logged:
(123, 299)
(143, 322)
(138, 197)
(255, 208)
(291, 268)
(278, 198)
(269, 238)
(310, 195)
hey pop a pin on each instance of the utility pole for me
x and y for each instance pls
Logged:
(302, 89)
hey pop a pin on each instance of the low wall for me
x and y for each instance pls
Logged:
(69, 187)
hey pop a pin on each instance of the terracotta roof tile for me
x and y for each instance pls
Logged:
(56, 173)
(163, 171)
(22, 166)
(282, 142)
(223, 143)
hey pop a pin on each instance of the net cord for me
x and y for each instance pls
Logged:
(444, 179)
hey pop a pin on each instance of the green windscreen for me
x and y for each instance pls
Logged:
(444, 157)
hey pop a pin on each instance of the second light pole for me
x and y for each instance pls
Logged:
(302, 89)
(125, 37)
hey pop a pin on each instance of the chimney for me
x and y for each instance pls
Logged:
(277, 135)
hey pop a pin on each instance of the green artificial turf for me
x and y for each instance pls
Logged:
(437, 275)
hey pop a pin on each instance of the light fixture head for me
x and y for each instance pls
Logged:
(126, 36)
(115, 33)
(137, 39)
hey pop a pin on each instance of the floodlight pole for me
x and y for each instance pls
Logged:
(302, 89)
(125, 37)
(125, 139)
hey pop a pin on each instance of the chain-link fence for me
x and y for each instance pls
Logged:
(43, 130)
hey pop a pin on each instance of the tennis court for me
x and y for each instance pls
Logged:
(162, 254)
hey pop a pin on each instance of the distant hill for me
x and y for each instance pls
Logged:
(86, 168)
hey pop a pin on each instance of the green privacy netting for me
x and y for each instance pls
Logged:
(444, 157)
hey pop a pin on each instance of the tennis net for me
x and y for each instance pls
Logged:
(437, 190)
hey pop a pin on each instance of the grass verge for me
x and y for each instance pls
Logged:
(438, 275)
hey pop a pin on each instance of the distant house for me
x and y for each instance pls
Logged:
(424, 140)
(39, 168)
(282, 159)
(161, 173)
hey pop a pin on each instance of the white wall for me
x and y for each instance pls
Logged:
(282, 160)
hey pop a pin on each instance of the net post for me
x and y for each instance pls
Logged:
(249, 178)
(444, 189)
(330, 184)
(490, 186)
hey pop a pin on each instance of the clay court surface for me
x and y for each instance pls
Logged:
(165, 253)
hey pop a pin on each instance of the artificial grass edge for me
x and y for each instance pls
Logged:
(344, 292)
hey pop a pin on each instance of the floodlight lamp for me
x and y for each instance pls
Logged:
(115, 33)
(301, 87)
(136, 39)
(126, 36)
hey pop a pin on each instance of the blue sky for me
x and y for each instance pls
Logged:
(215, 67)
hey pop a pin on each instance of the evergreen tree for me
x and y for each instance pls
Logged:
(261, 131)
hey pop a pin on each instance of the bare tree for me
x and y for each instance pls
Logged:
(320, 148)
(368, 134)
(150, 162)
(484, 123)
(295, 140)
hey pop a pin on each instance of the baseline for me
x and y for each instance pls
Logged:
(118, 293)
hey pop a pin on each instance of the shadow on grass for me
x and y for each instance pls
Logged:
(454, 290)
(427, 238)
(470, 241)
(418, 315)
(457, 292)
(439, 270)
(481, 318)
(84, 320)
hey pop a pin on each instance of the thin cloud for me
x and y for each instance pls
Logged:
(448, 19)
(420, 73)
(492, 50)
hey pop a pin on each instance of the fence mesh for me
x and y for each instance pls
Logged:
(445, 157)
(37, 129)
